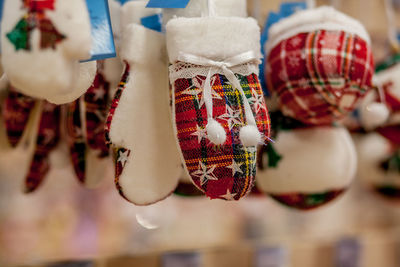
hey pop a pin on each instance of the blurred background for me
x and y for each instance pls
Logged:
(66, 222)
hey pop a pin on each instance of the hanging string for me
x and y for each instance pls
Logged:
(392, 29)
(310, 3)
(211, 8)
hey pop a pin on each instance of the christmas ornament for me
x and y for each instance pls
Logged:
(138, 125)
(42, 42)
(319, 64)
(218, 106)
(86, 119)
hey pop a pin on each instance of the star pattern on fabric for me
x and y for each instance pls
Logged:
(235, 167)
(200, 133)
(232, 117)
(295, 41)
(228, 195)
(205, 174)
(196, 92)
(99, 93)
(123, 157)
(257, 101)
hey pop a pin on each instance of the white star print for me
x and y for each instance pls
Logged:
(235, 167)
(195, 92)
(257, 101)
(205, 174)
(228, 195)
(48, 135)
(231, 116)
(123, 157)
(99, 93)
(200, 133)
(295, 41)
(293, 60)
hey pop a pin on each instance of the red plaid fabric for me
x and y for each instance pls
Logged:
(96, 103)
(226, 171)
(81, 139)
(39, 5)
(47, 140)
(320, 76)
(307, 201)
(16, 112)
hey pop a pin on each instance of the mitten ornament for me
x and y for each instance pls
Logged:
(37, 122)
(319, 64)
(86, 118)
(185, 187)
(218, 106)
(379, 149)
(42, 42)
(139, 122)
(307, 167)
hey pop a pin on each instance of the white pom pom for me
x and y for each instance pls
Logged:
(374, 115)
(215, 132)
(250, 136)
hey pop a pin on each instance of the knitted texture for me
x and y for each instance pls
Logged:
(320, 76)
(226, 171)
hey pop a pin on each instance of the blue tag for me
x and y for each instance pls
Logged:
(348, 253)
(271, 257)
(288, 9)
(168, 3)
(184, 259)
(153, 22)
(102, 35)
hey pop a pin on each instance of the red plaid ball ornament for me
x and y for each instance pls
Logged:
(320, 64)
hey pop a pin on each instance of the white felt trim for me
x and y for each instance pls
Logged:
(141, 45)
(314, 160)
(322, 18)
(133, 11)
(142, 121)
(215, 38)
(372, 149)
(199, 8)
(87, 73)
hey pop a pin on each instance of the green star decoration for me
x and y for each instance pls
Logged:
(19, 36)
(273, 156)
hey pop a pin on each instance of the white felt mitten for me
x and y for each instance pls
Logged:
(139, 122)
(42, 43)
(308, 167)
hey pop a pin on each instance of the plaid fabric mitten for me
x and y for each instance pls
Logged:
(139, 122)
(86, 119)
(307, 167)
(218, 106)
(378, 150)
(320, 64)
(44, 37)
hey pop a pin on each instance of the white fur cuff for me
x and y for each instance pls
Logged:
(216, 38)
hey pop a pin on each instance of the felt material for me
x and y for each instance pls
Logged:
(208, 37)
(373, 150)
(87, 73)
(199, 8)
(52, 42)
(139, 122)
(313, 161)
(115, 14)
(224, 171)
(320, 76)
(322, 18)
